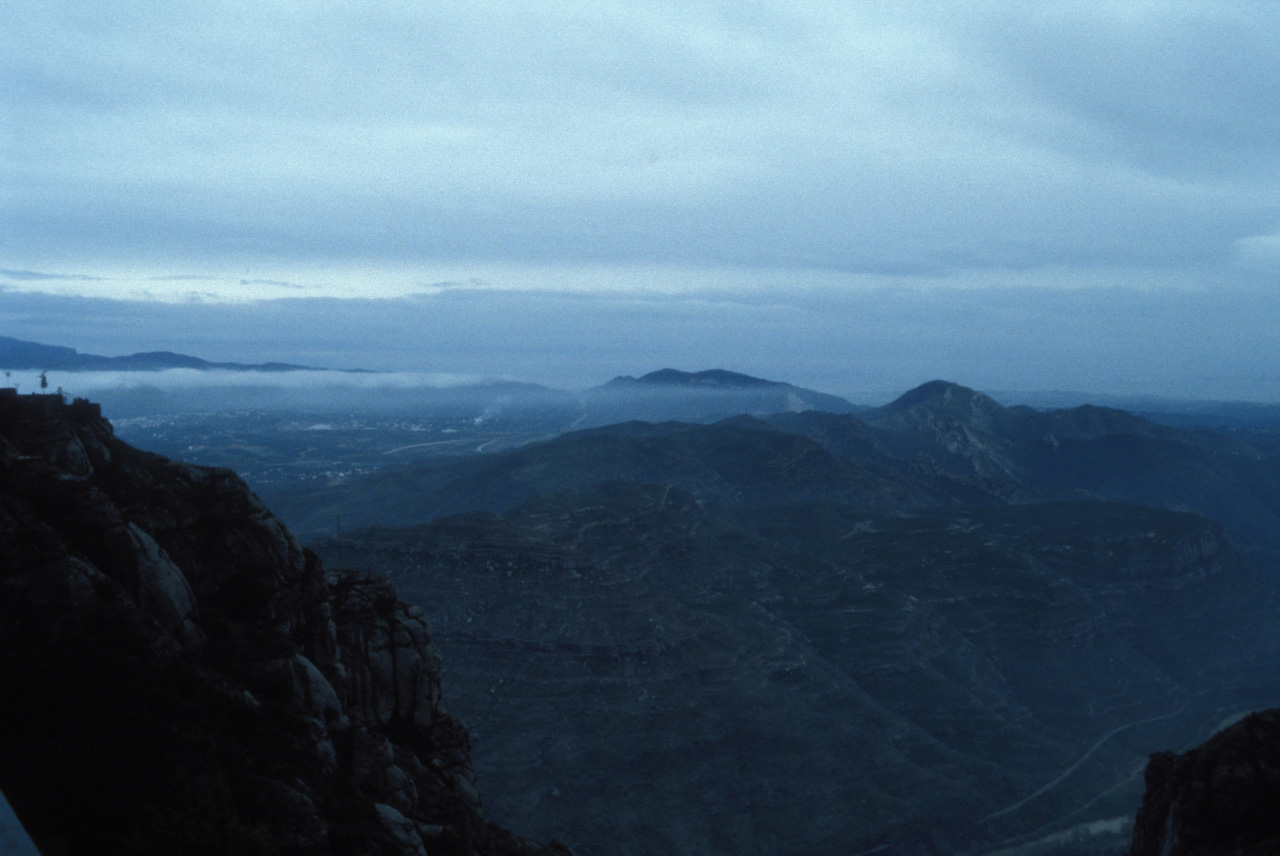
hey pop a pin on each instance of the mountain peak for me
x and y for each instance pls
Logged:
(705, 396)
(943, 395)
(709, 378)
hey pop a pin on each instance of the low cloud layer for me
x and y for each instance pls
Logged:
(88, 383)
(867, 345)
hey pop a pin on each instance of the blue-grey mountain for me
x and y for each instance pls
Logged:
(942, 626)
(18, 354)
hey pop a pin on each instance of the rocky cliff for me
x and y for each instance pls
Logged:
(179, 675)
(1219, 798)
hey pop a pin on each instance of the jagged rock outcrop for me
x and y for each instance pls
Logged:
(1220, 798)
(179, 675)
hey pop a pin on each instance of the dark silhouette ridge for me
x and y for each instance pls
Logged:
(181, 676)
(1219, 798)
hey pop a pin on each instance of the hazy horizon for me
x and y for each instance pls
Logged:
(845, 197)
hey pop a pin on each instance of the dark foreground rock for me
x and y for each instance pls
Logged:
(179, 675)
(1220, 798)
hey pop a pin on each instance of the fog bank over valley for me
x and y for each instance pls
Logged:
(865, 345)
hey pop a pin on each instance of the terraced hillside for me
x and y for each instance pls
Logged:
(648, 673)
(941, 626)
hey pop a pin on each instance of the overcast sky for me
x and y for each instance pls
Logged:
(851, 195)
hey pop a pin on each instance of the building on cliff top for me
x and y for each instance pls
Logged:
(20, 408)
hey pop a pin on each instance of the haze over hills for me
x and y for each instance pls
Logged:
(18, 354)
(736, 459)
(944, 589)
(971, 584)
(145, 383)
(705, 396)
(1090, 452)
(166, 384)
(940, 443)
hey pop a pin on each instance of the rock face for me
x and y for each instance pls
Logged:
(179, 675)
(1219, 798)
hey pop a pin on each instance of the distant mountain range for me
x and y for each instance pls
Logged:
(939, 444)
(19, 354)
(709, 379)
(940, 626)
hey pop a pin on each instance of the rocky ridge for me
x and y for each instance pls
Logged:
(181, 675)
(1219, 798)
(938, 445)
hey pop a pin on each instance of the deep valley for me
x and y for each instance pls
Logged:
(940, 626)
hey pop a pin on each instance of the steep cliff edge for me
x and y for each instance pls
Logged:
(1219, 798)
(179, 675)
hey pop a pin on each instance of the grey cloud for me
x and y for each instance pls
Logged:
(38, 276)
(1260, 252)
(1185, 89)
(278, 282)
(866, 138)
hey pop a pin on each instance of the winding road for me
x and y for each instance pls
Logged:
(1067, 772)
